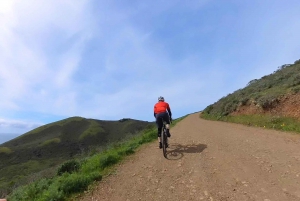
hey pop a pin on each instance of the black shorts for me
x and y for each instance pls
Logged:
(160, 117)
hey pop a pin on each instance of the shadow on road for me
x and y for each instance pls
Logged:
(176, 151)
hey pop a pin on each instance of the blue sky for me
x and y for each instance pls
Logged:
(112, 59)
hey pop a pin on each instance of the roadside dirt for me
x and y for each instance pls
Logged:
(209, 161)
(288, 105)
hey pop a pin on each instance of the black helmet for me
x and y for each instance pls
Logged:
(161, 98)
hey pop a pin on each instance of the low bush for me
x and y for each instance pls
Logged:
(69, 167)
(5, 150)
(109, 159)
(52, 141)
(268, 101)
(74, 183)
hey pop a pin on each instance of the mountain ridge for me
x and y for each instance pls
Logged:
(49, 145)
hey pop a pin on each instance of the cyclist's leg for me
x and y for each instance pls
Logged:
(166, 118)
(159, 123)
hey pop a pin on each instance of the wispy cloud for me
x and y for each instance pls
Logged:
(109, 60)
(41, 46)
(5, 123)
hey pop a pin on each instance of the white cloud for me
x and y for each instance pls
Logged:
(8, 123)
(47, 84)
(40, 44)
(69, 63)
(108, 59)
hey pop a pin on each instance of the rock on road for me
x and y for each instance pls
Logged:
(212, 161)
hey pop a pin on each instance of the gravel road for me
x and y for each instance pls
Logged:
(209, 160)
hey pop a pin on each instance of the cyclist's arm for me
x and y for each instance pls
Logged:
(169, 111)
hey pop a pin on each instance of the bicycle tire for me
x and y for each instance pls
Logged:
(164, 142)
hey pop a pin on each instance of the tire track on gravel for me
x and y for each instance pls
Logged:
(209, 161)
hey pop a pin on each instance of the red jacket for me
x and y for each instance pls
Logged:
(161, 107)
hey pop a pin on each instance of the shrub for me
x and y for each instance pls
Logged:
(268, 101)
(297, 61)
(52, 141)
(124, 119)
(69, 167)
(208, 109)
(108, 160)
(295, 89)
(74, 183)
(244, 101)
(52, 194)
(31, 191)
(93, 130)
(5, 150)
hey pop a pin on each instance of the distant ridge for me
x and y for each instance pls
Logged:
(71, 136)
(51, 144)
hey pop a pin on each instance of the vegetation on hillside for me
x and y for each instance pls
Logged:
(75, 176)
(258, 120)
(263, 92)
(35, 154)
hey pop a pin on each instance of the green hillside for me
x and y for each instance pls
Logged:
(264, 92)
(268, 102)
(36, 153)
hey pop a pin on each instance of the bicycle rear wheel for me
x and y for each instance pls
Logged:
(164, 143)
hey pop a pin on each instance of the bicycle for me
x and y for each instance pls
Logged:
(164, 140)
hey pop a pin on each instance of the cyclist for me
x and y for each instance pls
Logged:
(162, 112)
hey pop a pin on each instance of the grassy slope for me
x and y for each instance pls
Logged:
(48, 146)
(264, 121)
(75, 176)
(264, 93)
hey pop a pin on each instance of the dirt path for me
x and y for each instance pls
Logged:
(210, 161)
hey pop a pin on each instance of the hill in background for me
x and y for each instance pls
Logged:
(277, 94)
(50, 145)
